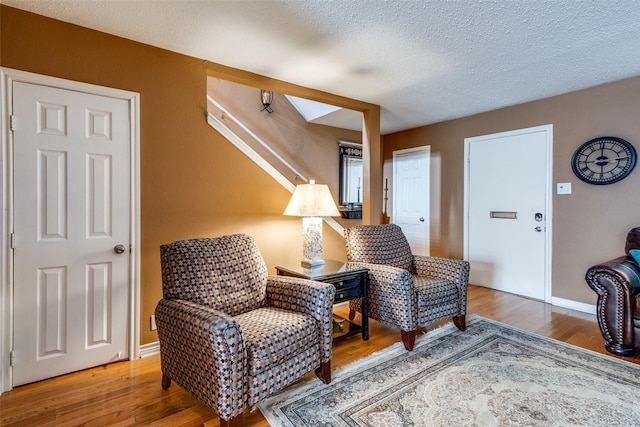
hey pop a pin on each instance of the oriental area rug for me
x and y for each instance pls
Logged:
(490, 375)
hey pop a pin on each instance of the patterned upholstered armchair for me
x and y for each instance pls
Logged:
(232, 335)
(406, 290)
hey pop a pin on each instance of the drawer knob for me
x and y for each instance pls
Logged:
(340, 283)
(340, 296)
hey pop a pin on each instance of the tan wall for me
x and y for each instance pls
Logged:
(590, 225)
(310, 148)
(193, 182)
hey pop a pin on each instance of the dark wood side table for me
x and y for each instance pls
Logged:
(350, 283)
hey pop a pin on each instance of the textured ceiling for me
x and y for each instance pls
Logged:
(422, 61)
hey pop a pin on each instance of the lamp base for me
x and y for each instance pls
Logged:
(312, 263)
(312, 242)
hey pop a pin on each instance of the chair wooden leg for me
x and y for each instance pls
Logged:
(352, 314)
(460, 322)
(233, 422)
(324, 372)
(409, 339)
(166, 382)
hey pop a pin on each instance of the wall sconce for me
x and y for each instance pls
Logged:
(266, 96)
(312, 201)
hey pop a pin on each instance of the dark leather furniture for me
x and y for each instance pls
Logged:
(617, 283)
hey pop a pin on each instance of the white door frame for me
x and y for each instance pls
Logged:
(426, 151)
(8, 76)
(548, 129)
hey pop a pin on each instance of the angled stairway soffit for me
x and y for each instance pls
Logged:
(325, 114)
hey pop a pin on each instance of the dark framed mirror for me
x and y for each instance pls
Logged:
(350, 188)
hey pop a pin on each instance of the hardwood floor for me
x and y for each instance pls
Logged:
(129, 393)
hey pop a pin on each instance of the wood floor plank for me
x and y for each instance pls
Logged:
(129, 393)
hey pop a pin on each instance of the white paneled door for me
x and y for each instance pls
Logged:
(71, 224)
(411, 196)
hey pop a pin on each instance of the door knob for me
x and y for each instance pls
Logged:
(119, 249)
(538, 229)
(421, 219)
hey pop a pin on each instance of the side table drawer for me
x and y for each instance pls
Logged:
(348, 289)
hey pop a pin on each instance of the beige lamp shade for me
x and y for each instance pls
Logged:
(312, 200)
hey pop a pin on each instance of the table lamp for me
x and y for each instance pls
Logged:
(312, 201)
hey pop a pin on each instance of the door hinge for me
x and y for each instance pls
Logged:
(12, 358)
(13, 240)
(12, 122)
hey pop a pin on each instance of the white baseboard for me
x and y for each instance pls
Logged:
(574, 305)
(150, 349)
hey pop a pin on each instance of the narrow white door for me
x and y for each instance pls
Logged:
(411, 196)
(507, 210)
(71, 225)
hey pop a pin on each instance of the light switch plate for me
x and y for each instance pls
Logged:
(564, 188)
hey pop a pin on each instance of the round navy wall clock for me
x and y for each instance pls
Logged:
(604, 160)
